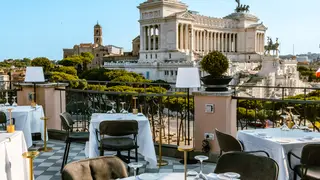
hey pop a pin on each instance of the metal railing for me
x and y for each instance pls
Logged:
(170, 110)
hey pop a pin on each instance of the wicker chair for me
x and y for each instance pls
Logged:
(309, 167)
(101, 168)
(71, 136)
(228, 143)
(249, 166)
(116, 129)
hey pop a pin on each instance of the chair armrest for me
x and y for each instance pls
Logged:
(289, 158)
(97, 135)
(251, 152)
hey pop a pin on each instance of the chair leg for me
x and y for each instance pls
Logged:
(67, 155)
(294, 176)
(129, 157)
(101, 151)
(64, 156)
(136, 152)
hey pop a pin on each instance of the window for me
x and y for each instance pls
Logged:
(156, 56)
(169, 55)
(97, 55)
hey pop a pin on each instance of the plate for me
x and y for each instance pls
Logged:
(283, 141)
(308, 137)
(148, 176)
(212, 176)
(232, 175)
(139, 114)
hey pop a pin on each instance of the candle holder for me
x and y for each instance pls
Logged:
(185, 150)
(31, 155)
(160, 161)
(45, 148)
(134, 110)
(10, 127)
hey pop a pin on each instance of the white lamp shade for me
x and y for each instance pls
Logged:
(34, 74)
(188, 78)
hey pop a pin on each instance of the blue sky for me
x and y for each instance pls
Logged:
(32, 28)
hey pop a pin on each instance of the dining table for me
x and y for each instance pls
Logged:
(278, 143)
(12, 165)
(170, 176)
(28, 120)
(144, 137)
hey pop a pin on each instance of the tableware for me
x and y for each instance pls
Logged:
(232, 175)
(224, 177)
(283, 141)
(201, 159)
(135, 166)
(14, 101)
(192, 173)
(7, 101)
(139, 114)
(212, 176)
(148, 176)
(123, 111)
(308, 137)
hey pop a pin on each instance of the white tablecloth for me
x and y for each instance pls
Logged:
(28, 121)
(174, 176)
(144, 137)
(277, 150)
(12, 165)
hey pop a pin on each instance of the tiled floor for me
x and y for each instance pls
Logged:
(47, 165)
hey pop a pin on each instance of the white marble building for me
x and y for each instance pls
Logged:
(172, 36)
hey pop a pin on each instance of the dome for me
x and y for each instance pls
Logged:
(97, 25)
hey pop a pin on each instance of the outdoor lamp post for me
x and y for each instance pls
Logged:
(188, 78)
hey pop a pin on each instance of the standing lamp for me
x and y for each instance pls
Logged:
(34, 75)
(188, 78)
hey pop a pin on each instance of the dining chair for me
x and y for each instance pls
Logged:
(228, 143)
(118, 140)
(249, 166)
(101, 168)
(67, 124)
(309, 167)
(3, 120)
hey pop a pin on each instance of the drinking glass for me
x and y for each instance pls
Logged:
(135, 166)
(123, 111)
(14, 101)
(112, 111)
(201, 159)
(7, 101)
(284, 127)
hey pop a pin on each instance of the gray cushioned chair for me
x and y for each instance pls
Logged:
(309, 167)
(67, 122)
(116, 142)
(101, 168)
(228, 143)
(249, 166)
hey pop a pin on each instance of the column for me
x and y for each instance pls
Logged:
(218, 41)
(222, 42)
(191, 48)
(226, 42)
(181, 37)
(141, 37)
(198, 40)
(159, 36)
(235, 42)
(154, 37)
(214, 41)
(230, 43)
(205, 36)
(201, 41)
(262, 44)
(149, 38)
(258, 42)
(186, 36)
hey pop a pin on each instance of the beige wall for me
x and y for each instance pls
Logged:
(53, 102)
(223, 118)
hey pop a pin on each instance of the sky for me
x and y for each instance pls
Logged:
(42, 28)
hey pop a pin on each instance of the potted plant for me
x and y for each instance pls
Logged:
(216, 64)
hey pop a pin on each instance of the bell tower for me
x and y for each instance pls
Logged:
(98, 35)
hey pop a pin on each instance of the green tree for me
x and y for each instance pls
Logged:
(71, 61)
(66, 69)
(86, 58)
(44, 62)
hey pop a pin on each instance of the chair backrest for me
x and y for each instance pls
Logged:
(249, 166)
(227, 142)
(66, 121)
(118, 128)
(101, 168)
(310, 155)
(3, 117)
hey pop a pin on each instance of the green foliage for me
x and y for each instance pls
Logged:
(44, 62)
(86, 58)
(66, 69)
(178, 104)
(15, 62)
(71, 61)
(97, 74)
(163, 83)
(61, 76)
(215, 63)
(96, 87)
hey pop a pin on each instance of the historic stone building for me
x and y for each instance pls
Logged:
(97, 48)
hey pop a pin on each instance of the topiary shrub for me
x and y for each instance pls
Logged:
(215, 63)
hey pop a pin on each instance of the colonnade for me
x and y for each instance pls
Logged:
(260, 42)
(150, 39)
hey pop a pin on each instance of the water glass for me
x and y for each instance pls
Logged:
(123, 111)
(14, 101)
(135, 166)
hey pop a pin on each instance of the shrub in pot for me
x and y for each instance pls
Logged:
(216, 64)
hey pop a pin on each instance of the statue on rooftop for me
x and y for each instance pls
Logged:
(242, 7)
(274, 47)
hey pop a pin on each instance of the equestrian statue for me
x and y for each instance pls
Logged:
(274, 47)
(242, 7)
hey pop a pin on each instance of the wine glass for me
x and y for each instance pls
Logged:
(7, 101)
(14, 101)
(135, 166)
(296, 122)
(201, 159)
(284, 127)
(112, 111)
(123, 111)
